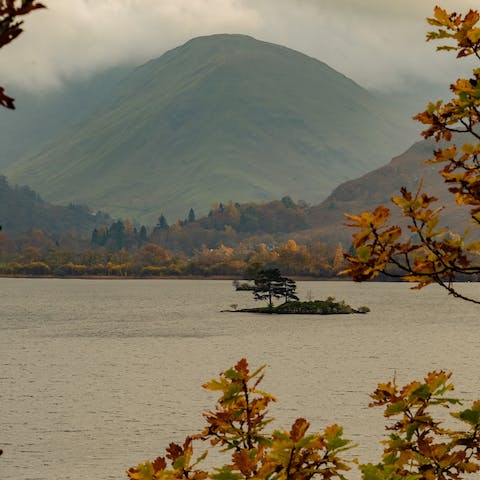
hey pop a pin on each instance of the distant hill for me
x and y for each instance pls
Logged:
(21, 209)
(224, 117)
(377, 188)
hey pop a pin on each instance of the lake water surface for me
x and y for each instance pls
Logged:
(99, 375)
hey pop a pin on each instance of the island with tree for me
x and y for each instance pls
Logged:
(269, 284)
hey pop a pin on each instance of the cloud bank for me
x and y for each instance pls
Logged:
(376, 43)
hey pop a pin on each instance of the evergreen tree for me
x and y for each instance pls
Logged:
(268, 285)
(162, 222)
(289, 288)
(191, 216)
(116, 234)
(143, 234)
(288, 202)
(95, 237)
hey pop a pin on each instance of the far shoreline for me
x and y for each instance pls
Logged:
(164, 277)
(197, 277)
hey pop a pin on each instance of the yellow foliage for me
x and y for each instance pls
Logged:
(427, 253)
(419, 446)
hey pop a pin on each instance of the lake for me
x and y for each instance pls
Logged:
(99, 375)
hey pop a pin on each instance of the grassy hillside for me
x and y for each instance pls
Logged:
(40, 117)
(220, 118)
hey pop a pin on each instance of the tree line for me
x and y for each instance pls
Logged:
(205, 246)
(45, 257)
(230, 223)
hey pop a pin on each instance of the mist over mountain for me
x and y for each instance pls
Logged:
(224, 117)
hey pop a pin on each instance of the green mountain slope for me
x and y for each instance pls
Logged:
(40, 117)
(219, 118)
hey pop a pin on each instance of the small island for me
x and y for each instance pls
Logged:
(269, 284)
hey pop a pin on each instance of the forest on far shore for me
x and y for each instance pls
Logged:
(231, 240)
(42, 257)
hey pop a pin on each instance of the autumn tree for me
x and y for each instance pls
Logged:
(237, 428)
(428, 253)
(11, 23)
(262, 255)
(338, 259)
(293, 257)
(419, 445)
(155, 255)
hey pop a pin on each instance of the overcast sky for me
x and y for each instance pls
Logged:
(378, 43)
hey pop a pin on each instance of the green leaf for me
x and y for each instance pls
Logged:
(391, 458)
(422, 392)
(232, 390)
(470, 416)
(395, 408)
(257, 371)
(410, 430)
(278, 434)
(179, 463)
(201, 458)
(363, 253)
(373, 472)
(226, 474)
(232, 374)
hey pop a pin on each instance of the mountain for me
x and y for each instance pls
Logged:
(224, 117)
(40, 117)
(22, 209)
(327, 221)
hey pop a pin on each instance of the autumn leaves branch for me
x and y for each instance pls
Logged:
(237, 427)
(11, 28)
(426, 253)
(419, 447)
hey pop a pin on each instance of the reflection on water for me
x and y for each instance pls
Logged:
(99, 375)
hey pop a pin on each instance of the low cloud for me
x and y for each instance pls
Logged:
(378, 44)
(76, 37)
